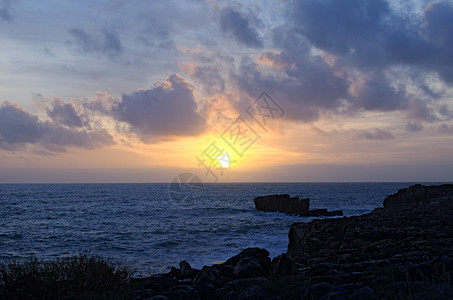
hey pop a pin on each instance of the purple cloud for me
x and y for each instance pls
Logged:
(239, 27)
(64, 114)
(107, 44)
(167, 109)
(19, 128)
(376, 134)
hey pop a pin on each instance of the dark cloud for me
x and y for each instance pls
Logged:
(210, 78)
(445, 129)
(210, 71)
(376, 134)
(63, 113)
(370, 34)
(6, 10)
(108, 43)
(240, 28)
(414, 126)
(419, 110)
(19, 128)
(351, 56)
(305, 85)
(438, 26)
(377, 93)
(167, 109)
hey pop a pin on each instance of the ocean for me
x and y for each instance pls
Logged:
(142, 225)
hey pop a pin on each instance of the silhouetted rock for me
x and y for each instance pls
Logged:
(183, 292)
(321, 212)
(419, 196)
(160, 282)
(282, 203)
(255, 293)
(282, 266)
(291, 206)
(186, 271)
(261, 255)
(158, 297)
(233, 289)
(248, 267)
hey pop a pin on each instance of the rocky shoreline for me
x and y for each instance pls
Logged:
(401, 251)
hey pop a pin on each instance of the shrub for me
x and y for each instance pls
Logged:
(77, 277)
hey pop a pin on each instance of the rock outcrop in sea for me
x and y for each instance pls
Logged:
(291, 205)
(401, 251)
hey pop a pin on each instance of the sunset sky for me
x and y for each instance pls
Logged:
(141, 91)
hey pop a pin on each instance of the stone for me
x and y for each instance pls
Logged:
(143, 294)
(282, 266)
(364, 293)
(233, 289)
(206, 291)
(318, 290)
(158, 297)
(419, 196)
(338, 295)
(160, 283)
(314, 212)
(248, 267)
(282, 203)
(262, 255)
(186, 271)
(255, 293)
(183, 292)
(210, 275)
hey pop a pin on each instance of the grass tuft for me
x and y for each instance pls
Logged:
(77, 277)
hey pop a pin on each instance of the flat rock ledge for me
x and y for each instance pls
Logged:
(391, 253)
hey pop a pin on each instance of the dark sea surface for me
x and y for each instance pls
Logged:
(139, 225)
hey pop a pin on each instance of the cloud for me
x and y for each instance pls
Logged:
(414, 126)
(371, 34)
(18, 128)
(376, 134)
(210, 71)
(304, 84)
(63, 113)
(240, 28)
(167, 109)
(352, 56)
(377, 93)
(108, 43)
(445, 129)
(6, 7)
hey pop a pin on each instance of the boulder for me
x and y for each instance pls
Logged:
(233, 289)
(418, 195)
(248, 267)
(282, 203)
(183, 292)
(160, 282)
(283, 266)
(210, 275)
(186, 271)
(261, 255)
(255, 293)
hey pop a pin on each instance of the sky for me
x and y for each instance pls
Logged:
(278, 90)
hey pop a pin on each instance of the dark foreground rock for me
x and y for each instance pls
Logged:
(387, 254)
(291, 206)
(419, 196)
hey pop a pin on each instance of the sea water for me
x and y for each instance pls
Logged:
(139, 224)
